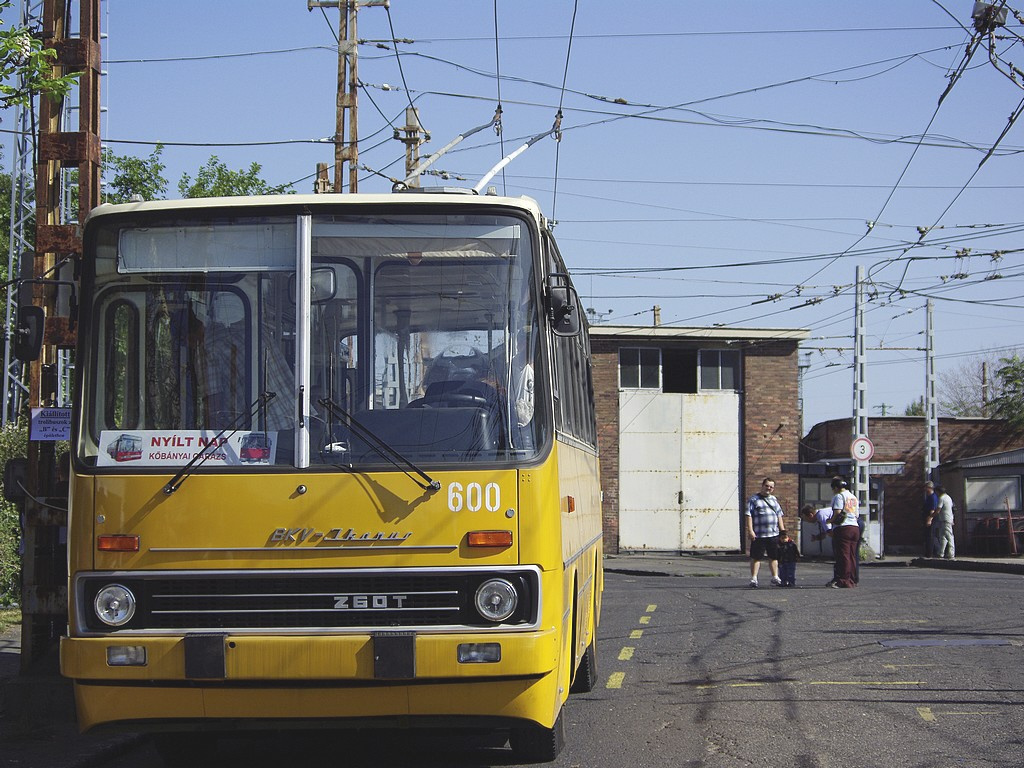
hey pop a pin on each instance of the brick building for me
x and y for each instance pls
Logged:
(689, 421)
(899, 445)
(989, 517)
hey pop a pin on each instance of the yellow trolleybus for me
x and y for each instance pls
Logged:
(334, 464)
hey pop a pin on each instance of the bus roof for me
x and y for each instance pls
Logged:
(430, 196)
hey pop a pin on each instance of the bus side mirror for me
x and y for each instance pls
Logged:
(15, 477)
(322, 285)
(562, 306)
(28, 333)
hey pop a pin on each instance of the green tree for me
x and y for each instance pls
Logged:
(968, 388)
(13, 442)
(915, 408)
(134, 177)
(215, 179)
(26, 67)
(1009, 404)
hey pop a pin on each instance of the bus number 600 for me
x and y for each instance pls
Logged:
(474, 497)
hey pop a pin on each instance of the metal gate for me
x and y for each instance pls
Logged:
(679, 471)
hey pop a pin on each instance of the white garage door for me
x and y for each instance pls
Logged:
(678, 471)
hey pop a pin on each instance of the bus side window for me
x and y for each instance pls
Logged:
(121, 369)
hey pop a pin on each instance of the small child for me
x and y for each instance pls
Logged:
(787, 560)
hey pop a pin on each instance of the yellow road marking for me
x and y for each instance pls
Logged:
(645, 619)
(882, 621)
(707, 686)
(652, 608)
(866, 682)
(903, 666)
(615, 681)
(928, 715)
(626, 653)
(636, 634)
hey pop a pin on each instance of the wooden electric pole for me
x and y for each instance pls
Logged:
(413, 136)
(348, 87)
(44, 559)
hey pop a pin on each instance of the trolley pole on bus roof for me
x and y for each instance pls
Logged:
(348, 88)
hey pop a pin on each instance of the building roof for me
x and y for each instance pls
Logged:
(1003, 458)
(721, 334)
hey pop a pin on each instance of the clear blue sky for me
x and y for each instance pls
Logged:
(750, 145)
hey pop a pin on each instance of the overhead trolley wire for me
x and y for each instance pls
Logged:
(497, 82)
(398, 57)
(870, 225)
(971, 49)
(558, 115)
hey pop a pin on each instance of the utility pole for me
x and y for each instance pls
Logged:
(348, 88)
(931, 407)
(57, 239)
(413, 136)
(984, 388)
(860, 408)
(322, 185)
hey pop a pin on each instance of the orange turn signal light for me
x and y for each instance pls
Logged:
(118, 542)
(490, 538)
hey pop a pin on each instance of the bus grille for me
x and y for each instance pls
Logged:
(288, 600)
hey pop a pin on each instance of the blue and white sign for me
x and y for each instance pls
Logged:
(49, 424)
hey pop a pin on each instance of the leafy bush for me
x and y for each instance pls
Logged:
(13, 442)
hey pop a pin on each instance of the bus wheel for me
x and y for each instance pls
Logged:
(534, 743)
(586, 673)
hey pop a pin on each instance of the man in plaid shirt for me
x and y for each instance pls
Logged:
(764, 523)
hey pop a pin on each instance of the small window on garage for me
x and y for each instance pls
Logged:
(679, 370)
(719, 369)
(639, 368)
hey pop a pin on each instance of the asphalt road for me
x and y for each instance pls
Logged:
(915, 668)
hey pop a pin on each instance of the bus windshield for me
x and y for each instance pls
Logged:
(422, 329)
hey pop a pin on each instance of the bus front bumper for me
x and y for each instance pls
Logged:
(229, 677)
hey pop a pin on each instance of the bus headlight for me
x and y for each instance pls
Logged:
(114, 605)
(496, 600)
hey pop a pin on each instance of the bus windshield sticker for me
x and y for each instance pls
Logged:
(162, 448)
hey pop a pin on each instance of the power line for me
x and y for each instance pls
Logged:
(215, 56)
(705, 33)
(769, 126)
(497, 84)
(398, 58)
(558, 115)
(903, 173)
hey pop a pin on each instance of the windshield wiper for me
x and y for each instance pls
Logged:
(197, 461)
(385, 451)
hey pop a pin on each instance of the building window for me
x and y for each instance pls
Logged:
(639, 368)
(719, 369)
(679, 371)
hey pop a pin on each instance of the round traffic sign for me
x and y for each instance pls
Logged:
(862, 449)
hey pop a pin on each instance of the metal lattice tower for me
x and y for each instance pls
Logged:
(931, 405)
(23, 211)
(860, 408)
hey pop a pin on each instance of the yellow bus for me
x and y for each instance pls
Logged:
(334, 465)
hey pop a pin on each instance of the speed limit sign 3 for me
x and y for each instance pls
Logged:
(862, 449)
